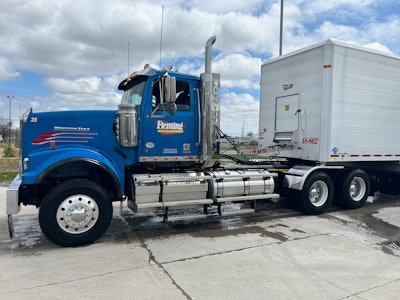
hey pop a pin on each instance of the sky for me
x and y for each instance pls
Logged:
(67, 55)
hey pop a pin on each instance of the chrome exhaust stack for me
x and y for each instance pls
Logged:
(208, 54)
(210, 104)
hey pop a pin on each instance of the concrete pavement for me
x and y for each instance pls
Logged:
(275, 254)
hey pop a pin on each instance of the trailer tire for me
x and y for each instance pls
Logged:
(353, 189)
(75, 212)
(317, 194)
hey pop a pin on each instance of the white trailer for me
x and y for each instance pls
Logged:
(332, 110)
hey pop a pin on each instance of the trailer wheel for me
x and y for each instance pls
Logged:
(354, 189)
(317, 194)
(75, 212)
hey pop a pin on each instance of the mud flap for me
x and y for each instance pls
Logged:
(10, 226)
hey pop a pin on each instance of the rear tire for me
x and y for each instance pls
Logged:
(75, 212)
(353, 189)
(317, 194)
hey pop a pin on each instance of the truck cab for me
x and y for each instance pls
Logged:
(155, 151)
(164, 128)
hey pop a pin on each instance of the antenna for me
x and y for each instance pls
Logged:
(161, 36)
(281, 29)
(128, 56)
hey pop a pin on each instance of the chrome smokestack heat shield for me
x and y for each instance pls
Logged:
(210, 107)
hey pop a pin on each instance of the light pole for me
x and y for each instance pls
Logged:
(9, 118)
(281, 30)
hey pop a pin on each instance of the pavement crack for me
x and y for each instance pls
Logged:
(371, 289)
(151, 258)
(71, 280)
(160, 265)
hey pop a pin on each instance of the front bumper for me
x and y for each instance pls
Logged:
(12, 203)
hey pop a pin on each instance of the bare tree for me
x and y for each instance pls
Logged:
(4, 132)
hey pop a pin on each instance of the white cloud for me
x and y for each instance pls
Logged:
(378, 46)
(238, 70)
(320, 6)
(34, 104)
(85, 85)
(6, 70)
(239, 111)
(220, 6)
(345, 33)
(84, 93)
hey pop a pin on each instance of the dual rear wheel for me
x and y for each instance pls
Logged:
(352, 190)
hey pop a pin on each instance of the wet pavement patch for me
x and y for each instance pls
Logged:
(242, 230)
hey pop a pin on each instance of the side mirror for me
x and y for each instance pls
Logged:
(169, 89)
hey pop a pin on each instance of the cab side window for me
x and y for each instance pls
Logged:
(182, 96)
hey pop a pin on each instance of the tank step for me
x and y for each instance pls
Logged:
(180, 217)
(247, 198)
(149, 205)
(187, 202)
(232, 212)
(173, 203)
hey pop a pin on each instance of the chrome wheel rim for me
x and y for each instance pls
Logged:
(318, 193)
(357, 189)
(77, 214)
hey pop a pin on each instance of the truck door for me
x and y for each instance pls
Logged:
(286, 117)
(166, 137)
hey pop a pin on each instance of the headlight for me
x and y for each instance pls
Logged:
(25, 164)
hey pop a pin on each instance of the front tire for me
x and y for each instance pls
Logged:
(75, 212)
(317, 194)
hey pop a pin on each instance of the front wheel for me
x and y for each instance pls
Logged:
(317, 194)
(75, 212)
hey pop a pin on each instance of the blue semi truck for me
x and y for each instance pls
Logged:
(328, 118)
(156, 152)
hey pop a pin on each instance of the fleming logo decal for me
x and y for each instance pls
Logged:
(165, 128)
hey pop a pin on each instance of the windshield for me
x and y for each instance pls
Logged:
(134, 91)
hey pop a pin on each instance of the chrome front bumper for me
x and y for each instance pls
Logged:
(12, 205)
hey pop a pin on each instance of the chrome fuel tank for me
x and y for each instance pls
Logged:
(237, 183)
